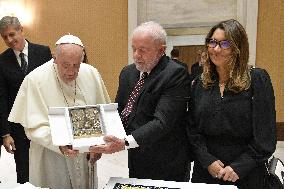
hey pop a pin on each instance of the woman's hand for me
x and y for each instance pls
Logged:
(214, 168)
(228, 174)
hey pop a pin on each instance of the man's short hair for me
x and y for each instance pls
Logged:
(175, 53)
(153, 29)
(9, 21)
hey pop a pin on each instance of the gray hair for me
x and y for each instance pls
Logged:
(71, 47)
(9, 21)
(154, 29)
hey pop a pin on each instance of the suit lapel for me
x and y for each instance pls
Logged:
(12, 61)
(133, 79)
(148, 81)
(32, 54)
(156, 70)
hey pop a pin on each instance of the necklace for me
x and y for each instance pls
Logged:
(62, 91)
(222, 85)
(77, 158)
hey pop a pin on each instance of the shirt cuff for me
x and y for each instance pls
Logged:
(132, 142)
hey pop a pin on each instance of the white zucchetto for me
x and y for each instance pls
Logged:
(69, 39)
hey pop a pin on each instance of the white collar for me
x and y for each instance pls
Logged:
(25, 50)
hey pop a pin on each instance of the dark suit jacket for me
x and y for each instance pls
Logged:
(156, 121)
(11, 78)
(181, 63)
(195, 70)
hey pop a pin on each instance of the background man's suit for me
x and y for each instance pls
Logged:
(156, 121)
(11, 77)
(181, 63)
(196, 70)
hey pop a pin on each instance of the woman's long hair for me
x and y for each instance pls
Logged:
(239, 76)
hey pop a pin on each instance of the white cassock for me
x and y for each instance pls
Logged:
(41, 89)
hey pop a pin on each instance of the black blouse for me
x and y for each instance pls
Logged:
(238, 128)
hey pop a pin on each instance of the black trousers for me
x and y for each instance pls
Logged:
(21, 156)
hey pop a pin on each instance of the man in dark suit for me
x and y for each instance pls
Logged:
(17, 61)
(197, 68)
(153, 112)
(175, 58)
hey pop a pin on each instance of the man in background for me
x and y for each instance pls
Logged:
(197, 68)
(175, 57)
(152, 97)
(62, 82)
(16, 62)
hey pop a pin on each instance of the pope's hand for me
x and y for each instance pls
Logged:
(113, 144)
(94, 157)
(68, 151)
(9, 144)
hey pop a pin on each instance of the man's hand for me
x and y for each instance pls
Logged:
(228, 174)
(113, 144)
(9, 144)
(68, 151)
(214, 168)
(94, 157)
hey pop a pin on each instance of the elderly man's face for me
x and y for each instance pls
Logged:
(146, 52)
(13, 38)
(68, 60)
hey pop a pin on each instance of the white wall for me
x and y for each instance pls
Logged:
(191, 14)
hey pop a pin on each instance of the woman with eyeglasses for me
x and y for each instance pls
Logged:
(232, 113)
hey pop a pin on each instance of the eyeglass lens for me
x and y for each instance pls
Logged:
(223, 44)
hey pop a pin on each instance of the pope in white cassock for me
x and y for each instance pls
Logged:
(63, 81)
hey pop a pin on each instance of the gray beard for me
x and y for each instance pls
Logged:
(149, 65)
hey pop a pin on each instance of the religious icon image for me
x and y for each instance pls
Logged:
(85, 122)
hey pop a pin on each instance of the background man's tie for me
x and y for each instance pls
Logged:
(132, 99)
(24, 65)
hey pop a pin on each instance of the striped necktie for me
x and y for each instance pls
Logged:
(24, 65)
(132, 99)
